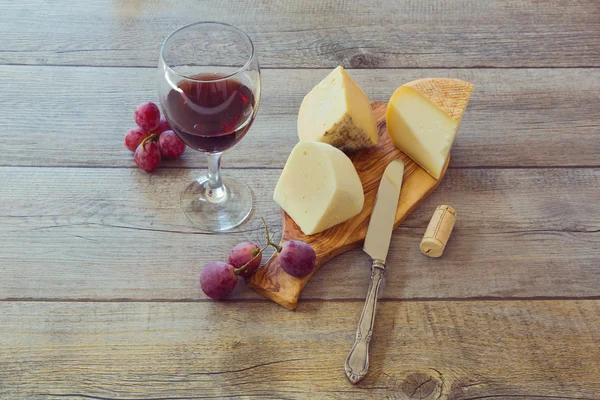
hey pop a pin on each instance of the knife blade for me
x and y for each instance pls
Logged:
(377, 243)
(381, 225)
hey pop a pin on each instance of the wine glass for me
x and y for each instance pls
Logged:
(209, 89)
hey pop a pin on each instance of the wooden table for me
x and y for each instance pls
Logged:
(99, 268)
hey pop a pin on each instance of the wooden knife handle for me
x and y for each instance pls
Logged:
(357, 363)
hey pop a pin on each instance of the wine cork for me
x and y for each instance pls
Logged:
(438, 231)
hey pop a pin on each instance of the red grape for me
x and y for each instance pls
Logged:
(218, 279)
(241, 254)
(297, 258)
(147, 116)
(134, 137)
(170, 145)
(147, 156)
(163, 125)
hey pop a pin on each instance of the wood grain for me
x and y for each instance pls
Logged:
(377, 34)
(536, 117)
(99, 234)
(106, 249)
(420, 350)
(275, 284)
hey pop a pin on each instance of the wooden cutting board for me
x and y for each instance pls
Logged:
(275, 284)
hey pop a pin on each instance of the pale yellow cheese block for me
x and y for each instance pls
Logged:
(337, 111)
(423, 118)
(319, 187)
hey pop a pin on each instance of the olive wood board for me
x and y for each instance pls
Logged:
(284, 289)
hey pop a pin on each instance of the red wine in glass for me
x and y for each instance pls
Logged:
(209, 113)
(209, 88)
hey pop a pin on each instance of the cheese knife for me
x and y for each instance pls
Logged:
(377, 243)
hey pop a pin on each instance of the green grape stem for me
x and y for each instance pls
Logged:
(258, 252)
(150, 138)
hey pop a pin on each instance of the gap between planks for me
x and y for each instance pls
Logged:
(234, 168)
(312, 300)
(310, 68)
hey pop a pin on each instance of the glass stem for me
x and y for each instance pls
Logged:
(216, 190)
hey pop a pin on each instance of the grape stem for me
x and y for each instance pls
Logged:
(257, 252)
(150, 138)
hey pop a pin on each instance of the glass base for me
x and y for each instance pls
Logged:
(216, 210)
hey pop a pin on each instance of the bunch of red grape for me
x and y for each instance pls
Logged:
(152, 138)
(218, 278)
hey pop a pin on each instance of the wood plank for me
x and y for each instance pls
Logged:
(292, 34)
(520, 233)
(537, 117)
(420, 350)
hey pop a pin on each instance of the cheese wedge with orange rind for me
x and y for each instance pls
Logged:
(423, 118)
